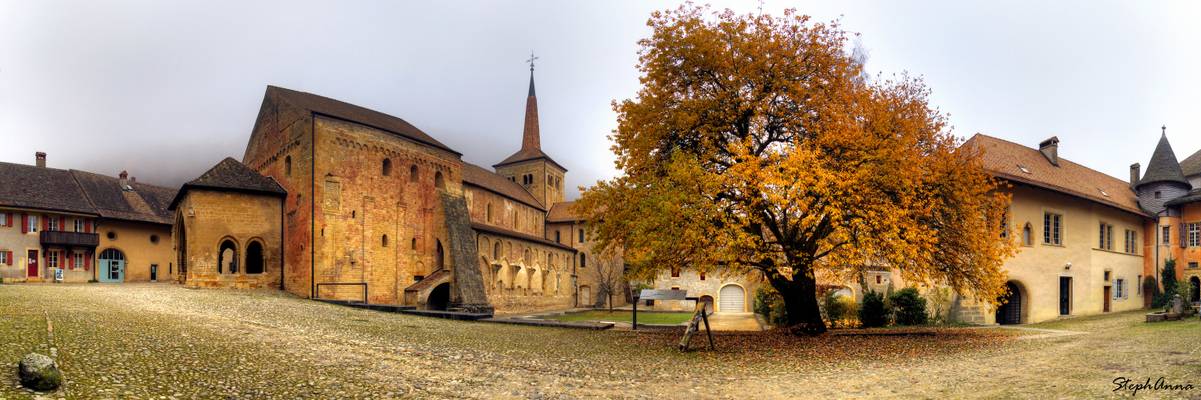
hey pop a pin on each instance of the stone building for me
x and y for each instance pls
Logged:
(227, 229)
(84, 226)
(376, 210)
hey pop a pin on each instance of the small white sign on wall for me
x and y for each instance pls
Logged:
(58, 274)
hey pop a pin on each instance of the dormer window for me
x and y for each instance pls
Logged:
(1023, 168)
(1103, 192)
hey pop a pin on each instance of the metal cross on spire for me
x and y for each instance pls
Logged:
(531, 61)
(1163, 129)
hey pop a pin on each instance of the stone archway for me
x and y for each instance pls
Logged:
(439, 298)
(1195, 294)
(1010, 310)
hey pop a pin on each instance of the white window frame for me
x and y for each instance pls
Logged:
(52, 223)
(52, 259)
(79, 225)
(3, 219)
(1194, 234)
(1119, 291)
(78, 260)
(32, 222)
(3, 257)
(1052, 228)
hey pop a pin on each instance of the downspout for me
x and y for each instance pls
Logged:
(313, 208)
(283, 235)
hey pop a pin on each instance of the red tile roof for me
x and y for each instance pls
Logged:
(1018, 163)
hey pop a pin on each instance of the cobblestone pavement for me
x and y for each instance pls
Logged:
(164, 341)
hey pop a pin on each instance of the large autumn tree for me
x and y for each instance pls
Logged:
(757, 144)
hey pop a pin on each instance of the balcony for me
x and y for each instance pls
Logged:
(69, 239)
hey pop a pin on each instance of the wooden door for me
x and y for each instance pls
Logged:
(32, 260)
(1108, 298)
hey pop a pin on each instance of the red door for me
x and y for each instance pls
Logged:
(33, 263)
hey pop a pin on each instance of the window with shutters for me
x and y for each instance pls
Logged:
(1167, 235)
(1119, 288)
(3, 219)
(4, 258)
(52, 259)
(79, 225)
(32, 220)
(78, 260)
(52, 223)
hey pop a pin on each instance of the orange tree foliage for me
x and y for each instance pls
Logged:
(756, 145)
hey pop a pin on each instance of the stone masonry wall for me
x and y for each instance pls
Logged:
(211, 218)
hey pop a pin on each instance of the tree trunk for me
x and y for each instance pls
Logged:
(800, 302)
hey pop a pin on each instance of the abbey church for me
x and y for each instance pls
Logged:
(336, 201)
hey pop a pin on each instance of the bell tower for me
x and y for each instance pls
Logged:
(530, 167)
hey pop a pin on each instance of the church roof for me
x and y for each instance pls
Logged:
(350, 112)
(524, 155)
(1018, 163)
(1163, 166)
(563, 212)
(478, 176)
(1192, 165)
(233, 176)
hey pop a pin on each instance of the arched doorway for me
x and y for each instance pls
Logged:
(707, 300)
(731, 298)
(254, 258)
(112, 266)
(439, 297)
(1010, 311)
(227, 257)
(1195, 294)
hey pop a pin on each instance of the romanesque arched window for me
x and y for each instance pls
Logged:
(1027, 235)
(384, 240)
(413, 173)
(438, 181)
(488, 213)
(387, 167)
(254, 258)
(227, 257)
(288, 166)
(496, 251)
(583, 260)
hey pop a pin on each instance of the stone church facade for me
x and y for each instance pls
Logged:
(346, 203)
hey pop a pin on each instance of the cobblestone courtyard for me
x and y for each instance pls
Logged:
(163, 341)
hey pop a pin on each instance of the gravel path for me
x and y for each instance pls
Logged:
(164, 341)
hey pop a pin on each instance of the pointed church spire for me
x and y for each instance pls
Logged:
(530, 139)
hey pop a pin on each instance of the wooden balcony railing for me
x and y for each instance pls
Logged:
(69, 239)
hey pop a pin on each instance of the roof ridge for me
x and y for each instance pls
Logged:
(1061, 159)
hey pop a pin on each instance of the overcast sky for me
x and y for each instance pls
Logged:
(167, 89)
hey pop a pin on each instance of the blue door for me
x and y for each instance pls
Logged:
(112, 266)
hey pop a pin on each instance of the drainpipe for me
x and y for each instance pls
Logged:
(313, 208)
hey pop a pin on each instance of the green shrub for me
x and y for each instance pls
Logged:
(909, 307)
(839, 311)
(770, 305)
(1164, 298)
(873, 312)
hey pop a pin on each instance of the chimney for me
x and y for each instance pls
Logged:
(124, 179)
(1050, 150)
(40, 159)
(1135, 172)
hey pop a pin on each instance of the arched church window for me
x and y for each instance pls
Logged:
(439, 256)
(384, 240)
(387, 168)
(1027, 235)
(438, 181)
(227, 257)
(254, 258)
(288, 166)
(413, 173)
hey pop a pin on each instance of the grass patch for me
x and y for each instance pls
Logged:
(664, 318)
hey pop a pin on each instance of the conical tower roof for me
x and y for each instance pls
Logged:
(1163, 166)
